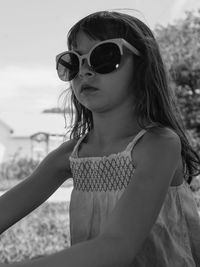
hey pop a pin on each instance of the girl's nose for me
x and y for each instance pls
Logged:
(85, 70)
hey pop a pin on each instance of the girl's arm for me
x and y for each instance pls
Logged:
(34, 190)
(156, 159)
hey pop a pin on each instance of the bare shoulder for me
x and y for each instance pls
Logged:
(67, 146)
(160, 136)
(58, 159)
(155, 156)
(63, 151)
(162, 132)
(156, 142)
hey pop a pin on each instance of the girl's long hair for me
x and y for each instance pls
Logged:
(155, 101)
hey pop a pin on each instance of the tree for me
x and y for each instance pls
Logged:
(180, 48)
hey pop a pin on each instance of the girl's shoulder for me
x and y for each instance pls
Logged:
(160, 135)
(160, 143)
(157, 131)
(67, 146)
(157, 139)
(64, 150)
(164, 136)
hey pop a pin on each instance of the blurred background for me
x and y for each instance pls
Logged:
(32, 123)
(32, 33)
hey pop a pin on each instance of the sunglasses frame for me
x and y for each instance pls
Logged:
(120, 42)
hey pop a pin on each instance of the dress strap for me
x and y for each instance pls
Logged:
(128, 148)
(138, 136)
(135, 139)
(75, 150)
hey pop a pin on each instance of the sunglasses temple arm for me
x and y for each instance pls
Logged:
(132, 48)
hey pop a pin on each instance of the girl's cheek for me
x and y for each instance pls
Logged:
(74, 89)
(74, 85)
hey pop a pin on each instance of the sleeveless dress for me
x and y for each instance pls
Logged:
(99, 182)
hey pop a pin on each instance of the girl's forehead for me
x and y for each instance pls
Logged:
(83, 42)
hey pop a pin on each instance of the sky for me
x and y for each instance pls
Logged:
(33, 32)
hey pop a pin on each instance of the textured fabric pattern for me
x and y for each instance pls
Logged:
(102, 175)
(99, 182)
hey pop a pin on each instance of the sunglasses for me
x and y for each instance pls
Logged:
(103, 58)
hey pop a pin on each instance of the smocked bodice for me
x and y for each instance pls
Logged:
(99, 183)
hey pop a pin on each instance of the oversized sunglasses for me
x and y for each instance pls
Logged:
(103, 58)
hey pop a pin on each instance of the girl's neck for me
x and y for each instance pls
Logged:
(110, 127)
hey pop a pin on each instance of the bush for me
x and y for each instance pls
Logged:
(194, 138)
(44, 231)
(17, 168)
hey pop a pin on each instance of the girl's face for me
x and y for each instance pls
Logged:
(107, 91)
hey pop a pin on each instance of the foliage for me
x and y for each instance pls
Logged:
(189, 104)
(180, 47)
(17, 168)
(44, 231)
(194, 139)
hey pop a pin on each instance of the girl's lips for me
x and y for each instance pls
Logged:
(88, 88)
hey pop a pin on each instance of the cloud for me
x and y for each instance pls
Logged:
(13, 79)
(177, 9)
(180, 6)
(29, 88)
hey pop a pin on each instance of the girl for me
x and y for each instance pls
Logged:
(131, 204)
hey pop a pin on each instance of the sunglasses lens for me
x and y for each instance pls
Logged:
(105, 58)
(67, 66)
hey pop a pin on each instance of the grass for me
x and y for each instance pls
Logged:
(44, 231)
